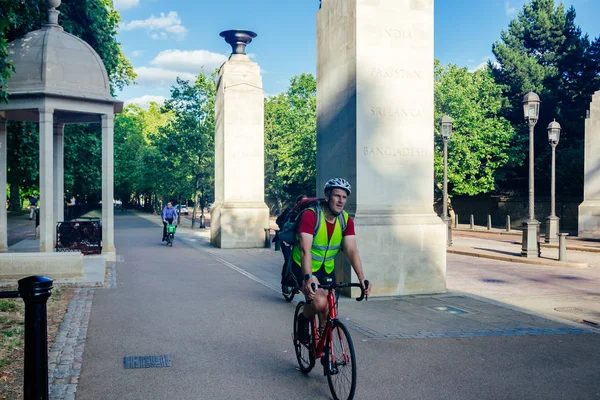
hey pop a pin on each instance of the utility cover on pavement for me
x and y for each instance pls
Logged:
(147, 361)
(450, 310)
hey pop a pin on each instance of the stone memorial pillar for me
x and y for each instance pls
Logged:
(239, 214)
(375, 128)
(589, 210)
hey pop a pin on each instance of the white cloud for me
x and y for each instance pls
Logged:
(188, 60)
(510, 11)
(160, 76)
(484, 62)
(168, 25)
(145, 101)
(136, 53)
(125, 4)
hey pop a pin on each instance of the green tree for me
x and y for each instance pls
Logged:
(290, 141)
(22, 161)
(186, 144)
(129, 148)
(480, 146)
(544, 51)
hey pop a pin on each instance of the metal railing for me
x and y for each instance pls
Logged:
(34, 291)
(83, 236)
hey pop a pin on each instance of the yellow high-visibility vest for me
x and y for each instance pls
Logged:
(323, 251)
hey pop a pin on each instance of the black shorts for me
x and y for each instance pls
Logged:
(321, 275)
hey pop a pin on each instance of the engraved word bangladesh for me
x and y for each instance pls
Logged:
(395, 151)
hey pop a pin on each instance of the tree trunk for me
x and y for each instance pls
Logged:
(15, 197)
(195, 201)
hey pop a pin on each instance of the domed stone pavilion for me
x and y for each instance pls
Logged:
(58, 79)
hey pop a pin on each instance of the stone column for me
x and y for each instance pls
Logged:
(375, 128)
(108, 233)
(3, 177)
(59, 175)
(46, 201)
(589, 210)
(239, 214)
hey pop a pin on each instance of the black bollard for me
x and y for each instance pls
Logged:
(34, 291)
(267, 238)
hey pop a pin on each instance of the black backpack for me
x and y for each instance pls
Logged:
(289, 226)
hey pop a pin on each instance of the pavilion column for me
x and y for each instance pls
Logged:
(46, 201)
(59, 175)
(108, 233)
(3, 176)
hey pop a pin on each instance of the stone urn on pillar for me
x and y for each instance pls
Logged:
(238, 39)
(239, 215)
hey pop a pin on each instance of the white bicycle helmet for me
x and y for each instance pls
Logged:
(337, 183)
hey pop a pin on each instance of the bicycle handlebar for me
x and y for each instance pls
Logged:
(344, 285)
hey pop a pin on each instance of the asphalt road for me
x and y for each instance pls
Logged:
(229, 337)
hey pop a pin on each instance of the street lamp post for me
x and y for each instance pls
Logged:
(531, 227)
(552, 222)
(446, 133)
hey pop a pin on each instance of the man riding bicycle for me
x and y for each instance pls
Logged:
(169, 214)
(314, 256)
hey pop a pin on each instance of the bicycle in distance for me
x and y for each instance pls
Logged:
(171, 228)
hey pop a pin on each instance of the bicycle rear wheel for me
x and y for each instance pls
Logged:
(305, 353)
(341, 373)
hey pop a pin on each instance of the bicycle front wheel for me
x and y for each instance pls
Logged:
(305, 352)
(341, 373)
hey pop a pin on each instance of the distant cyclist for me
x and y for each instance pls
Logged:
(169, 214)
(314, 256)
(32, 207)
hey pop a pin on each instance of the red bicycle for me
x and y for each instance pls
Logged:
(334, 347)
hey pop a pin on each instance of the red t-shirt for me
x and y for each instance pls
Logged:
(308, 220)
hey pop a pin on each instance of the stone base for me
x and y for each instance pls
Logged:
(401, 255)
(58, 266)
(552, 230)
(531, 236)
(589, 219)
(111, 256)
(238, 225)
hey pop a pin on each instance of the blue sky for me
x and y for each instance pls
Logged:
(164, 39)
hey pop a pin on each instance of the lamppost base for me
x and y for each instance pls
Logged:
(530, 243)
(552, 230)
(448, 221)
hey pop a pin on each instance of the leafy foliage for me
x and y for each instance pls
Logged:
(544, 51)
(290, 141)
(480, 145)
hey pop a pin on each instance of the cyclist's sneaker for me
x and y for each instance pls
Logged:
(303, 330)
(286, 290)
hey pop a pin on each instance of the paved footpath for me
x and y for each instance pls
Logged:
(227, 330)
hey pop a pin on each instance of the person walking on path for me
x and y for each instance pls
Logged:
(32, 207)
(169, 214)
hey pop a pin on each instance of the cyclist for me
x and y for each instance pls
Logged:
(286, 249)
(169, 214)
(314, 256)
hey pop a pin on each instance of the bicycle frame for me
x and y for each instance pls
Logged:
(327, 331)
(319, 345)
